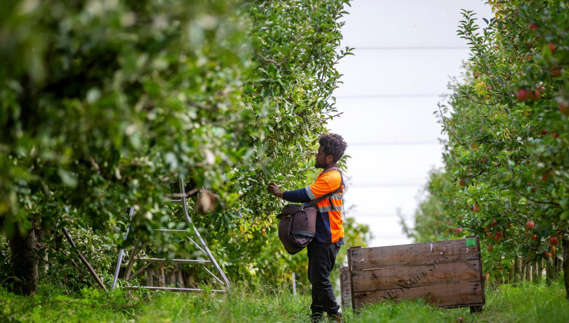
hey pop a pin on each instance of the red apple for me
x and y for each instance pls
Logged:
(490, 248)
(555, 135)
(553, 241)
(534, 95)
(546, 255)
(459, 230)
(543, 132)
(552, 47)
(522, 95)
(475, 208)
(530, 225)
(486, 229)
(533, 27)
(534, 237)
(499, 234)
(461, 182)
(556, 71)
(494, 223)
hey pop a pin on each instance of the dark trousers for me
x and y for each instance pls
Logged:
(321, 259)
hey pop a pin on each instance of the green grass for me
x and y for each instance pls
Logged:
(523, 303)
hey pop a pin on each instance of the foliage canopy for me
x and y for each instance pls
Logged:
(103, 104)
(506, 160)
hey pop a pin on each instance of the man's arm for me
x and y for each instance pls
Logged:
(299, 195)
(311, 192)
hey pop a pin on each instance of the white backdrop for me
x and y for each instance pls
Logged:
(405, 53)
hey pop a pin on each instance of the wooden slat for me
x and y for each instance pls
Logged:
(345, 287)
(411, 255)
(350, 251)
(415, 276)
(442, 295)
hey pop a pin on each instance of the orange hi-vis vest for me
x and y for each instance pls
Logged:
(329, 224)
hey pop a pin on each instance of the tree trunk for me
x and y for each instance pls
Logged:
(25, 263)
(150, 275)
(512, 273)
(179, 276)
(161, 276)
(537, 272)
(517, 270)
(41, 233)
(551, 271)
(566, 266)
(528, 272)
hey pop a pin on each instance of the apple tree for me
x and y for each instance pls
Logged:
(103, 104)
(507, 136)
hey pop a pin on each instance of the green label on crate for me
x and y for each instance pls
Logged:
(470, 242)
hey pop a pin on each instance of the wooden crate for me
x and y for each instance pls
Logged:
(446, 274)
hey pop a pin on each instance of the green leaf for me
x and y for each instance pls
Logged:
(68, 178)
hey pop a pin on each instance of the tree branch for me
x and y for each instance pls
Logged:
(269, 60)
(537, 201)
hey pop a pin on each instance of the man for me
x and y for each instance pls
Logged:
(324, 247)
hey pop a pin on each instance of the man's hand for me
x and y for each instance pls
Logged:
(274, 189)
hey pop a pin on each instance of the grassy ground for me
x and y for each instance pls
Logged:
(523, 303)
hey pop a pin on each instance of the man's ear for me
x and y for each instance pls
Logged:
(329, 159)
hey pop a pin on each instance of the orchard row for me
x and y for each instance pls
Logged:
(506, 155)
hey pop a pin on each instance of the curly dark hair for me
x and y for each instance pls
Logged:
(333, 144)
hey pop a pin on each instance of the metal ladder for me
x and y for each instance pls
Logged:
(200, 244)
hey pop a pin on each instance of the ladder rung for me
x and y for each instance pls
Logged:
(174, 289)
(172, 230)
(176, 201)
(179, 261)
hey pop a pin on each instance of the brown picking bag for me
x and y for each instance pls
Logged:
(297, 225)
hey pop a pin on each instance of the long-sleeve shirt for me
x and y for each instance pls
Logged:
(329, 226)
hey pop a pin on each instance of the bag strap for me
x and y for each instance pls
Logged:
(314, 202)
